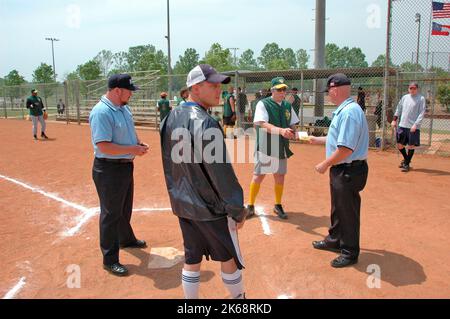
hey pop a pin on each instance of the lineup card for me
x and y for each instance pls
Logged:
(303, 136)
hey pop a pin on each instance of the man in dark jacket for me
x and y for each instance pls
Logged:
(37, 110)
(204, 191)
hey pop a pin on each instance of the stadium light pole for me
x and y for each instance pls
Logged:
(53, 56)
(235, 56)
(418, 41)
(169, 67)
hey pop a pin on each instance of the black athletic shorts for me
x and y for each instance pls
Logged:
(406, 137)
(210, 239)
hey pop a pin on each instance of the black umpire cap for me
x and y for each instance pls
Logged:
(338, 79)
(122, 81)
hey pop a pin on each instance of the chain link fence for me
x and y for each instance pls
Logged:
(315, 118)
(423, 57)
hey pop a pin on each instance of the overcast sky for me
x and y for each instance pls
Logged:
(85, 27)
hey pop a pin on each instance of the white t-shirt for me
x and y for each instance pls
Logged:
(261, 114)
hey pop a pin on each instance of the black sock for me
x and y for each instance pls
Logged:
(410, 156)
(405, 156)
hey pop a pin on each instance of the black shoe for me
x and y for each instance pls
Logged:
(35, 137)
(341, 262)
(322, 245)
(137, 244)
(401, 164)
(116, 269)
(44, 136)
(278, 209)
(250, 211)
(405, 168)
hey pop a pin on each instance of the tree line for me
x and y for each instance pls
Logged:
(147, 57)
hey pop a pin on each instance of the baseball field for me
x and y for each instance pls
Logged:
(49, 229)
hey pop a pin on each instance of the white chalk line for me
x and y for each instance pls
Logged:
(265, 223)
(86, 213)
(10, 294)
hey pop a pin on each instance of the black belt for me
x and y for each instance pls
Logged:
(352, 164)
(115, 160)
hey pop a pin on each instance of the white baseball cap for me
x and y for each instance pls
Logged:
(205, 72)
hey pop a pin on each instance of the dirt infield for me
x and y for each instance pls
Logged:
(48, 224)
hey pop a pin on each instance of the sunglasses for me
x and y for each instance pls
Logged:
(281, 90)
(412, 88)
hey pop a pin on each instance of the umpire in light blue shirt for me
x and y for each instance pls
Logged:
(116, 144)
(347, 146)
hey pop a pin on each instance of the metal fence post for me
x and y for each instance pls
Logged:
(4, 106)
(433, 94)
(236, 105)
(302, 90)
(66, 101)
(386, 75)
(77, 100)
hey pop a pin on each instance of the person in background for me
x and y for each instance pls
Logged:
(37, 109)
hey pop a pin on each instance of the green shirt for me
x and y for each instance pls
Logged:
(163, 108)
(227, 110)
(279, 116)
(37, 104)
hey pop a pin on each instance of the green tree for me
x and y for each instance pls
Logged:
(219, 58)
(440, 72)
(355, 58)
(345, 57)
(105, 60)
(152, 60)
(271, 52)
(247, 61)
(72, 76)
(302, 59)
(443, 96)
(14, 78)
(43, 74)
(120, 64)
(278, 64)
(411, 67)
(13, 89)
(89, 71)
(135, 54)
(290, 58)
(187, 62)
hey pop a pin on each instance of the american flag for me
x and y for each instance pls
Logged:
(439, 29)
(441, 10)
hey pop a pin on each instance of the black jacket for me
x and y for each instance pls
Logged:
(198, 190)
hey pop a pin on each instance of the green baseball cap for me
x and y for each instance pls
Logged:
(279, 83)
(34, 91)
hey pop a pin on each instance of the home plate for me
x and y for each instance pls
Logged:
(165, 257)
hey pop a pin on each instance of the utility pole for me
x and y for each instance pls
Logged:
(169, 67)
(319, 55)
(53, 56)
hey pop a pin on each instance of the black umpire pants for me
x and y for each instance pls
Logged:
(346, 181)
(115, 187)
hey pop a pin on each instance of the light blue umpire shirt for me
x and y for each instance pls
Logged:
(111, 123)
(349, 129)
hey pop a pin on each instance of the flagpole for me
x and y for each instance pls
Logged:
(429, 34)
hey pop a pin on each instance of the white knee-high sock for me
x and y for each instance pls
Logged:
(191, 283)
(234, 284)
